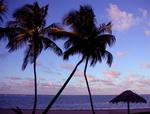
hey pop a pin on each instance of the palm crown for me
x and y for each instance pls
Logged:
(88, 40)
(29, 27)
(3, 9)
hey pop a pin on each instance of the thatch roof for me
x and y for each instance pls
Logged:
(128, 96)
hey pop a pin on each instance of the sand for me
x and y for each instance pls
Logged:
(110, 111)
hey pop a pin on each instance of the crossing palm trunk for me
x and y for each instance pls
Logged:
(62, 88)
(90, 96)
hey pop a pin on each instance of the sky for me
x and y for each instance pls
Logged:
(131, 53)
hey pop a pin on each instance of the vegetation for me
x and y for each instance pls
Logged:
(28, 28)
(88, 40)
(3, 9)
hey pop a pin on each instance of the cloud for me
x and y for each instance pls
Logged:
(107, 82)
(147, 32)
(121, 54)
(111, 74)
(90, 78)
(134, 82)
(45, 68)
(67, 66)
(144, 12)
(46, 85)
(28, 83)
(122, 20)
(14, 78)
(145, 65)
(52, 88)
(79, 73)
(4, 87)
(17, 86)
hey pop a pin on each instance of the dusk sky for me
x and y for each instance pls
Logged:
(131, 52)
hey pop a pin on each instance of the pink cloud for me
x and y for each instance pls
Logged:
(46, 84)
(67, 66)
(147, 32)
(28, 83)
(122, 20)
(121, 54)
(145, 65)
(111, 74)
(24, 86)
(107, 82)
(39, 64)
(79, 73)
(9, 85)
(14, 78)
(90, 78)
(144, 12)
(135, 82)
(46, 69)
(4, 87)
(14, 87)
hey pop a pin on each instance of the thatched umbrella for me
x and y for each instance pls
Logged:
(128, 96)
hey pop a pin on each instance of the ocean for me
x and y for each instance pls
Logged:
(67, 102)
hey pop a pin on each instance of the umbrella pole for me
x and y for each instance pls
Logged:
(128, 103)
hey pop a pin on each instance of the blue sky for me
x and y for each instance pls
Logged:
(131, 52)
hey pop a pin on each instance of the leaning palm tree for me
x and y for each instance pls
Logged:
(3, 9)
(85, 39)
(29, 29)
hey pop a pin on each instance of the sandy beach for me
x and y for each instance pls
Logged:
(111, 111)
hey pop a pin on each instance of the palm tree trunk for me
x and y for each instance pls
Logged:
(62, 88)
(88, 86)
(128, 104)
(35, 85)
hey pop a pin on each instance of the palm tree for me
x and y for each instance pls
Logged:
(29, 29)
(3, 9)
(88, 40)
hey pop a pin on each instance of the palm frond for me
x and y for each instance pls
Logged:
(26, 58)
(109, 58)
(69, 18)
(44, 10)
(3, 9)
(61, 34)
(4, 32)
(106, 39)
(73, 39)
(50, 44)
(91, 41)
(93, 58)
(71, 51)
(105, 28)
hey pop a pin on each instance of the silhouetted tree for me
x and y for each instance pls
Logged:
(17, 110)
(29, 29)
(3, 9)
(85, 39)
